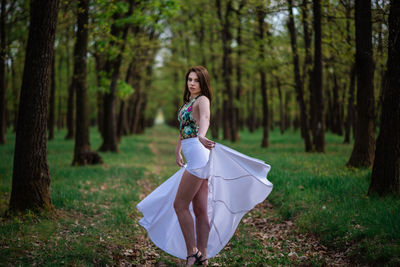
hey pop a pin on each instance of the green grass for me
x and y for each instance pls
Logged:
(328, 199)
(97, 218)
(95, 204)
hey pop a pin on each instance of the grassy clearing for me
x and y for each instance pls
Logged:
(97, 219)
(328, 199)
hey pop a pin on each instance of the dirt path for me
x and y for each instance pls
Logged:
(279, 239)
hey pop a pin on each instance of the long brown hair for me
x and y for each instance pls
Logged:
(204, 80)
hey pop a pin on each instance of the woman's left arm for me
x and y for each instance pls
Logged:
(204, 123)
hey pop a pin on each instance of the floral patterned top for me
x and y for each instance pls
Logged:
(187, 125)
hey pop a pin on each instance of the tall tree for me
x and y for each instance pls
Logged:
(112, 68)
(307, 67)
(281, 109)
(3, 53)
(350, 117)
(261, 13)
(319, 125)
(363, 149)
(52, 100)
(70, 103)
(31, 178)
(350, 107)
(229, 114)
(239, 63)
(299, 83)
(386, 169)
(82, 153)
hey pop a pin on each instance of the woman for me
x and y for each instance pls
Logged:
(217, 187)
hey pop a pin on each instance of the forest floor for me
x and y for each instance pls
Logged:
(316, 215)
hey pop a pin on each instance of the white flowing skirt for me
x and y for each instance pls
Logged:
(236, 183)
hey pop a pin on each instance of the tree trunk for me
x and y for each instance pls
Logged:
(319, 127)
(381, 66)
(350, 106)
(329, 113)
(307, 68)
(239, 118)
(112, 67)
(305, 129)
(60, 116)
(271, 106)
(70, 103)
(52, 100)
(261, 13)
(281, 108)
(70, 111)
(31, 178)
(15, 95)
(215, 123)
(253, 113)
(386, 169)
(229, 110)
(363, 149)
(122, 128)
(337, 114)
(99, 95)
(83, 154)
(287, 113)
(3, 53)
(136, 97)
(265, 138)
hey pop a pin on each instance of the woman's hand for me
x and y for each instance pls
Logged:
(207, 143)
(179, 160)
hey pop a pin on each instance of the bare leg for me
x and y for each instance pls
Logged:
(188, 188)
(202, 223)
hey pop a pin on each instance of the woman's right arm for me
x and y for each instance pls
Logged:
(179, 159)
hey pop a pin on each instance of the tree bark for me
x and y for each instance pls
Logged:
(288, 96)
(60, 117)
(239, 118)
(363, 149)
(386, 169)
(70, 111)
(261, 13)
(112, 67)
(31, 178)
(305, 129)
(3, 53)
(307, 68)
(83, 154)
(319, 126)
(123, 128)
(281, 107)
(337, 114)
(271, 105)
(99, 96)
(137, 96)
(70, 103)
(253, 113)
(52, 100)
(350, 106)
(15, 94)
(229, 111)
(350, 118)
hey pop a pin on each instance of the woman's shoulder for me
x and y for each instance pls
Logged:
(203, 99)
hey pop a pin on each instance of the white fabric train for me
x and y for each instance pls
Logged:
(236, 184)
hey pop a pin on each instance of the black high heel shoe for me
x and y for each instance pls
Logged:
(199, 261)
(196, 255)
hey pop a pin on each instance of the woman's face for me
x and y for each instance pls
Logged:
(193, 84)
